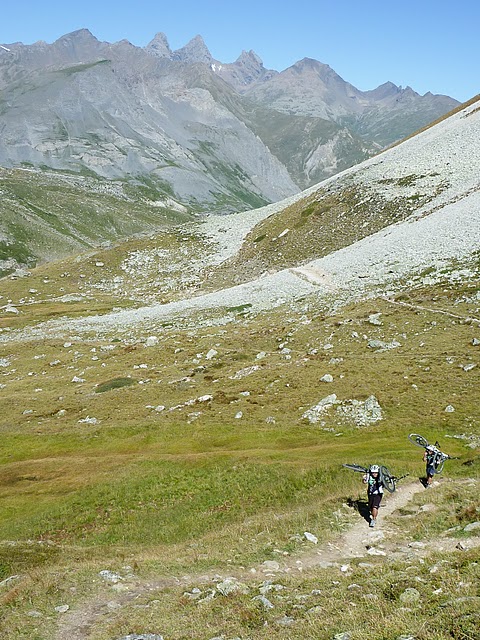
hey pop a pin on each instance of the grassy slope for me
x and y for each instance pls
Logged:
(47, 216)
(175, 491)
(331, 218)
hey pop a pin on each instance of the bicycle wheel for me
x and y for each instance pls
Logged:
(355, 467)
(438, 463)
(387, 479)
(418, 440)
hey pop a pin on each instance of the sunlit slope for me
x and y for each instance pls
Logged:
(439, 166)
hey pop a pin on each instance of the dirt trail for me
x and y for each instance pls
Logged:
(360, 538)
(357, 542)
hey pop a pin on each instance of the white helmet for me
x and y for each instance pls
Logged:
(374, 468)
(430, 447)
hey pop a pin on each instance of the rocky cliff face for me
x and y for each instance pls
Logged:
(118, 112)
(217, 136)
(384, 115)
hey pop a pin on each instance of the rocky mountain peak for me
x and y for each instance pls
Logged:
(79, 36)
(324, 71)
(249, 58)
(250, 67)
(79, 45)
(409, 92)
(385, 90)
(194, 51)
(159, 46)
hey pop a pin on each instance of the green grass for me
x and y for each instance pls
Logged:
(115, 383)
(192, 489)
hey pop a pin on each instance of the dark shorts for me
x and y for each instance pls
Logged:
(430, 470)
(374, 500)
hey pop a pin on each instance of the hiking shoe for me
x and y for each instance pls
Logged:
(372, 522)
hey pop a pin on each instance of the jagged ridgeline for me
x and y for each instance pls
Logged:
(160, 132)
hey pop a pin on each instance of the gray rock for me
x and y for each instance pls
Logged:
(209, 595)
(268, 586)
(3, 583)
(326, 378)
(373, 551)
(475, 342)
(231, 585)
(142, 636)
(317, 610)
(63, 608)
(360, 413)
(315, 413)
(265, 602)
(285, 621)
(110, 576)
(270, 565)
(310, 537)
(473, 526)
(380, 345)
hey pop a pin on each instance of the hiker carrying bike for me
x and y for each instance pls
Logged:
(375, 485)
(429, 457)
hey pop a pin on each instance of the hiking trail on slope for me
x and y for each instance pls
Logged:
(359, 541)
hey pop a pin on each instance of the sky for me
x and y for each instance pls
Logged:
(428, 45)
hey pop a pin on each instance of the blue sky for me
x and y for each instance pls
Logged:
(428, 45)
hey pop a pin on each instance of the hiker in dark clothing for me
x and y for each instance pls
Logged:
(429, 456)
(375, 486)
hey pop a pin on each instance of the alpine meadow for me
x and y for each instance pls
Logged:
(220, 284)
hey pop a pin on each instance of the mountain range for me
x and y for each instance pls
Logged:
(216, 137)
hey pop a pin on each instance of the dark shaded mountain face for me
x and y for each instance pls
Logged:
(212, 136)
